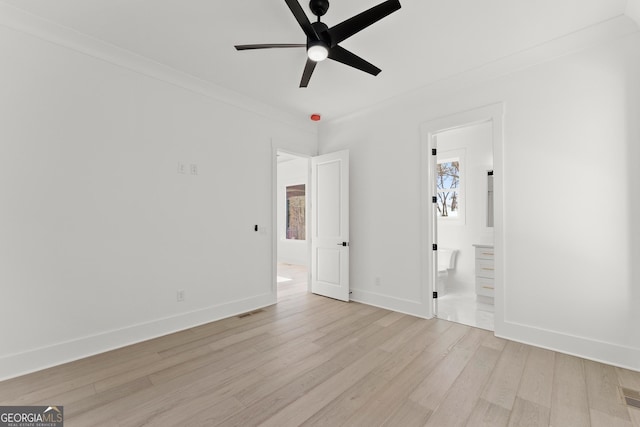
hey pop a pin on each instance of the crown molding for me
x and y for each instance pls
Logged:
(598, 34)
(19, 20)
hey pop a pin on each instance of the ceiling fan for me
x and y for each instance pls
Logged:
(322, 41)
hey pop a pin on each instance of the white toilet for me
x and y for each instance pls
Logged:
(446, 263)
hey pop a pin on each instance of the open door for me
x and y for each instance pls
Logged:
(330, 225)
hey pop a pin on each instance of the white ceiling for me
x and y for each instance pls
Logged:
(423, 43)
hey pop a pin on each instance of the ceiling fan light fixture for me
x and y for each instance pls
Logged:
(318, 51)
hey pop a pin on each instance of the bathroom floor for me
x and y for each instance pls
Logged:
(463, 308)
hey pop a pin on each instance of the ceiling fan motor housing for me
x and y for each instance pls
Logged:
(319, 7)
(323, 35)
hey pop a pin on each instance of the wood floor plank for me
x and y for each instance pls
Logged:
(194, 367)
(494, 342)
(99, 399)
(388, 400)
(635, 417)
(473, 339)
(171, 408)
(605, 419)
(343, 406)
(46, 389)
(537, 379)
(462, 397)
(150, 368)
(270, 404)
(569, 401)
(416, 328)
(487, 414)
(277, 376)
(363, 342)
(604, 394)
(432, 390)
(389, 318)
(528, 414)
(505, 380)
(405, 354)
(314, 361)
(320, 396)
(347, 326)
(409, 414)
(211, 415)
(435, 386)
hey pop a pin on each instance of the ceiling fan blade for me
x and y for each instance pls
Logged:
(302, 19)
(306, 74)
(267, 46)
(361, 21)
(341, 54)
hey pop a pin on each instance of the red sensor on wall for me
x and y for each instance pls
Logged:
(315, 117)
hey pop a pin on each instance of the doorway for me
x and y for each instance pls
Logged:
(316, 239)
(463, 217)
(462, 234)
(292, 201)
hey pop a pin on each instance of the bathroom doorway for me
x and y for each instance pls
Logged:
(463, 217)
(487, 174)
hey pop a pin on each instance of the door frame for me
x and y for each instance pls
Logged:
(274, 217)
(428, 130)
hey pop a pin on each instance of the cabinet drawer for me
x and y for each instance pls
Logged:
(484, 253)
(484, 287)
(485, 268)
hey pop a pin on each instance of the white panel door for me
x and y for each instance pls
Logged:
(330, 225)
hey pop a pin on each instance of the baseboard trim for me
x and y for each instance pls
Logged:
(585, 348)
(405, 306)
(18, 364)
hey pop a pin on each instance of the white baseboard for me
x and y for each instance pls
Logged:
(34, 360)
(411, 307)
(586, 348)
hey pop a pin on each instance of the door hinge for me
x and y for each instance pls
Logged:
(435, 295)
(435, 247)
(434, 152)
(434, 199)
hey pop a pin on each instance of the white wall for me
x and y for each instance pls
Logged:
(292, 172)
(571, 237)
(475, 142)
(98, 230)
(633, 10)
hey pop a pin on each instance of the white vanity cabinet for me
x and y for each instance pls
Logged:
(485, 272)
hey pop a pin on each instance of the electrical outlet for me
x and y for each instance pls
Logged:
(182, 169)
(193, 168)
(180, 295)
(377, 281)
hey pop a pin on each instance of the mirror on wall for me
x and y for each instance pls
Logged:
(490, 199)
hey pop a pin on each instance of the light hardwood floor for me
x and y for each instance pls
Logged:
(310, 360)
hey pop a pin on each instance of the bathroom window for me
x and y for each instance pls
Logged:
(296, 223)
(449, 190)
